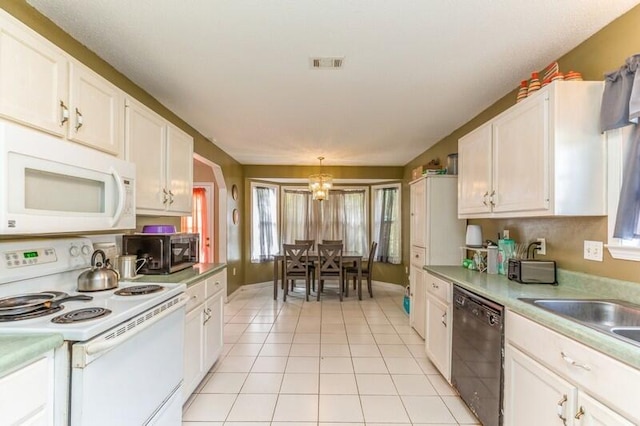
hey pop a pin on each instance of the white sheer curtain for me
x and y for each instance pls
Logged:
(342, 216)
(345, 218)
(300, 216)
(387, 224)
(264, 223)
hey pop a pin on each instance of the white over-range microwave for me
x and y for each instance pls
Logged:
(49, 185)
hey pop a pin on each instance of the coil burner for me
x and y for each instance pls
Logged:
(137, 290)
(28, 315)
(79, 315)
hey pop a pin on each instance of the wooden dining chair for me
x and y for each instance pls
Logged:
(296, 266)
(312, 263)
(367, 269)
(331, 241)
(329, 266)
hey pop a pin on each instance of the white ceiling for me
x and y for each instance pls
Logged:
(414, 70)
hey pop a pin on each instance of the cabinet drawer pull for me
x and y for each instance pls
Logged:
(580, 413)
(561, 409)
(79, 119)
(571, 361)
(64, 113)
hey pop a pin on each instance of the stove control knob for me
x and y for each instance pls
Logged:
(74, 251)
(86, 250)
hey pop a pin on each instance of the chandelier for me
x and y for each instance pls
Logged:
(320, 183)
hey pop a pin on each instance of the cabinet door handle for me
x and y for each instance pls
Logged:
(484, 198)
(165, 196)
(561, 409)
(444, 319)
(573, 362)
(64, 113)
(170, 197)
(580, 413)
(491, 200)
(79, 119)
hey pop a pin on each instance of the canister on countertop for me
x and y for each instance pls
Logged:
(506, 249)
(492, 259)
(452, 164)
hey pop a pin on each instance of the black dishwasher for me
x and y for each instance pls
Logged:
(477, 355)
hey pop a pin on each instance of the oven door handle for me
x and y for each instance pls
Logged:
(85, 353)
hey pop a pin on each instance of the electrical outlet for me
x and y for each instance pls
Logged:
(542, 248)
(593, 250)
(406, 270)
(505, 233)
(233, 272)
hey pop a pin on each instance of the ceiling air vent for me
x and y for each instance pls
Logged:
(327, 63)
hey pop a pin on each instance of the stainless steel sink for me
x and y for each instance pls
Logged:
(632, 333)
(614, 317)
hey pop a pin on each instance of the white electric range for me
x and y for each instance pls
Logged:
(130, 351)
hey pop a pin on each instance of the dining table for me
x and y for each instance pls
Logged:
(347, 257)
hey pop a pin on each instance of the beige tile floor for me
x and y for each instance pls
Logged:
(324, 364)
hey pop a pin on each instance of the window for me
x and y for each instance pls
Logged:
(386, 220)
(342, 216)
(619, 144)
(264, 222)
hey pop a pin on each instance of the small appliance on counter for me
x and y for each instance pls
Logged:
(474, 236)
(529, 271)
(163, 253)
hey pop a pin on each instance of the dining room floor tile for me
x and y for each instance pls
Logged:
(327, 363)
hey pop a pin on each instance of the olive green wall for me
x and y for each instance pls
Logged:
(603, 52)
(262, 272)
(230, 168)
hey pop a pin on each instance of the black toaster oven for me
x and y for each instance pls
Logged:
(163, 253)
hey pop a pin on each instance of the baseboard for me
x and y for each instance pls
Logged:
(257, 286)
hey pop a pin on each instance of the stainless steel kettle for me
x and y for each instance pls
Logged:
(100, 277)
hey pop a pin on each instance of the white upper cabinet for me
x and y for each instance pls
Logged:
(163, 155)
(37, 98)
(44, 88)
(418, 214)
(474, 165)
(97, 111)
(544, 156)
(179, 169)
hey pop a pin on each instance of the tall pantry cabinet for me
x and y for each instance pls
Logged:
(436, 236)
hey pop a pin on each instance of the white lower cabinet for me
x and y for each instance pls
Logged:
(27, 394)
(533, 394)
(438, 329)
(592, 413)
(418, 310)
(550, 379)
(203, 330)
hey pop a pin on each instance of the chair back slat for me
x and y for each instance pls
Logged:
(330, 258)
(296, 258)
(310, 243)
(331, 241)
(372, 254)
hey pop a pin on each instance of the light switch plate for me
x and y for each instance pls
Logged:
(593, 250)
